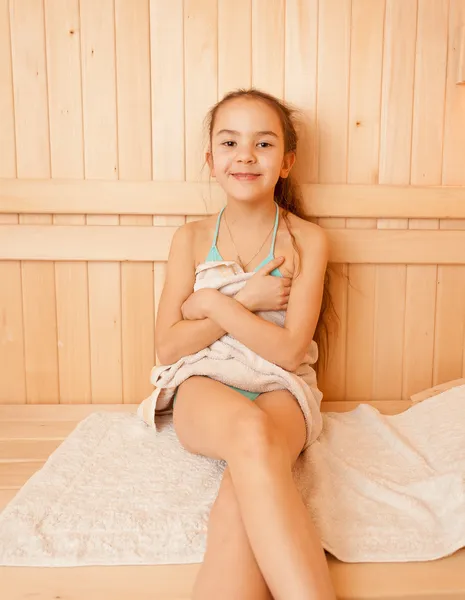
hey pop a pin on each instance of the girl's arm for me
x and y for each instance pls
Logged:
(285, 346)
(174, 336)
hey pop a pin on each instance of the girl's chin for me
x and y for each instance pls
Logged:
(245, 196)
(246, 191)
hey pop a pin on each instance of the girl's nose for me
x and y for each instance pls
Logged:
(245, 155)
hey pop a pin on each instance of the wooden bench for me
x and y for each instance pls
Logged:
(30, 433)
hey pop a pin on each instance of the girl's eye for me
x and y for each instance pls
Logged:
(229, 143)
(264, 144)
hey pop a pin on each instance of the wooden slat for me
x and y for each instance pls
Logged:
(429, 92)
(64, 86)
(450, 324)
(132, 21)
(426, 168)
(98, 55)
(268, 46)
(12, 365)
(36, 430)
(27, 450)
(15, 474)
(234, 45)
(420, 312)
(105, 328)
(388, 343)
(301, 52)
(72, 317)
(460, 77)
(366, 59)
(135, 163)
(110, 243)
(162, 582)
(40, 324)
(99, 89)
(397, 91)
(334, 17)
(360, 330)
(67, 161)
(7, 122)
(394, 168)
(435, 580)
(189, 198)
(60, 412)
(201, 80)
(453, 172)
(438, 580)
(167, 81)
(30, 88)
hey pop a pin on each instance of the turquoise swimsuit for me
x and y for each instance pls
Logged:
(214, 255)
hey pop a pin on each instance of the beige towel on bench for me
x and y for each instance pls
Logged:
(115, 492)
(231, 362)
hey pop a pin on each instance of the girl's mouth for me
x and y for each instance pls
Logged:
(246, 176)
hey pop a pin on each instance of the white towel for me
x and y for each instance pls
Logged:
(390, 488)
(115, 492)
(231, 362)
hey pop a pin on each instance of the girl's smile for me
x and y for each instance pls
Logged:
(246, 176)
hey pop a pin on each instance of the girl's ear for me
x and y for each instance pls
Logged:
(288, 163)
(209, 159)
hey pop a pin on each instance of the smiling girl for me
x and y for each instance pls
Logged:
(261, 541)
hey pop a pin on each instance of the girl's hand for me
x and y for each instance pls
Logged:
(264, 291)
(196, 306)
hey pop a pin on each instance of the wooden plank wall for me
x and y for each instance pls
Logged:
(101, 106)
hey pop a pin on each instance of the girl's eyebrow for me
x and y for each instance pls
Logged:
(258, 133)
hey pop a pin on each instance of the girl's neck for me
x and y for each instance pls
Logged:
(257, 213)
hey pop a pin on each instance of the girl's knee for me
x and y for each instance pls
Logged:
(257, 437)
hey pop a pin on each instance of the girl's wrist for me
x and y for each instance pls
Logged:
(243, 299)
(210, 300)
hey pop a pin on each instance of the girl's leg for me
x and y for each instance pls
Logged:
(229, 570)
(213, 420)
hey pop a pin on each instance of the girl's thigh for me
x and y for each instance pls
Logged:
(207, 413)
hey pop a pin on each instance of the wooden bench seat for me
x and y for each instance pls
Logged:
(28, 435)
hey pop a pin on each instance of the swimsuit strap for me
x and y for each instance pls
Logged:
(215, 238)
(273, 241)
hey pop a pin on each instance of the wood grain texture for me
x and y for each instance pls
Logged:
(7, 122)
(99, 170)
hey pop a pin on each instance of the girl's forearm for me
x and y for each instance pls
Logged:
(188, 337)
(266, 339)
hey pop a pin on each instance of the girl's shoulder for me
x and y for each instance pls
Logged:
(311, 241)
(201, 232)
(306, 232)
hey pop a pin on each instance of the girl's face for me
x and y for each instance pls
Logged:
(247, 149)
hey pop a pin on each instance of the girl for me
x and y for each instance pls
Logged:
(261, 542)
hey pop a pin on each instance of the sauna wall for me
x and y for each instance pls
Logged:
(101, 159)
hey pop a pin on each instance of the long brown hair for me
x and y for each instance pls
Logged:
(288, 196)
